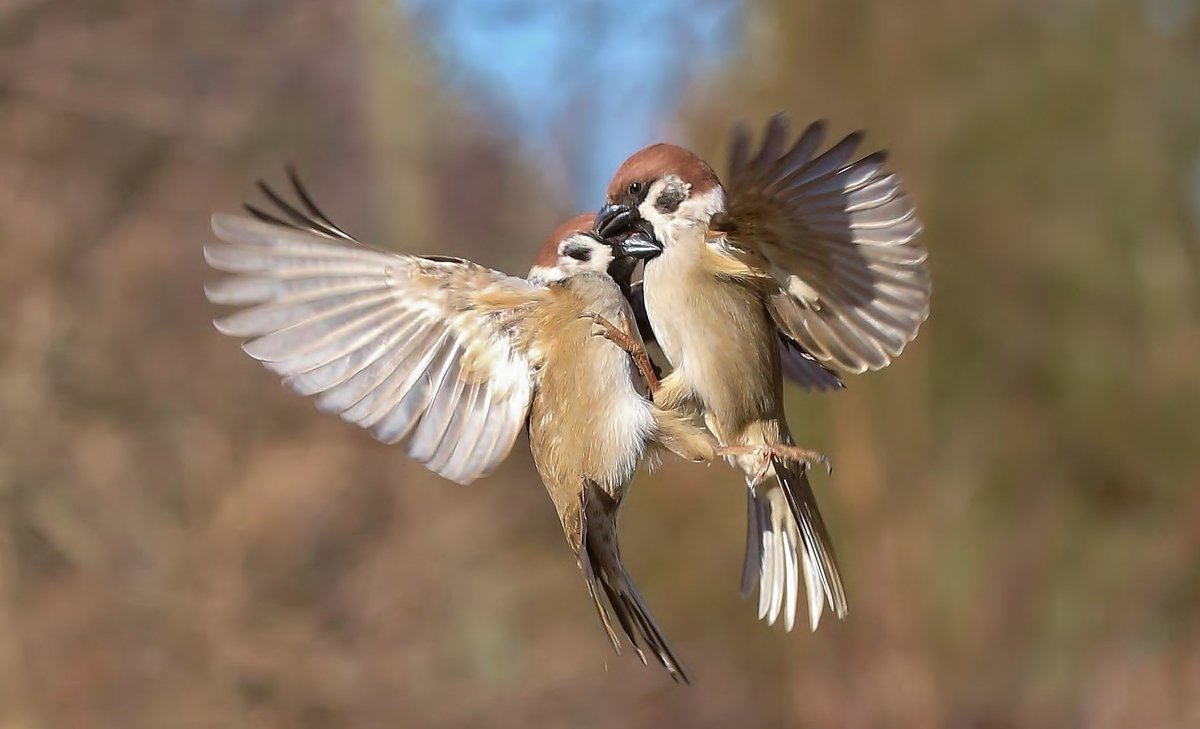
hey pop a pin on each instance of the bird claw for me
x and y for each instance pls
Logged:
(621, 336)
(794, 454)
(804, 456)
(760, 476)
(618, 335)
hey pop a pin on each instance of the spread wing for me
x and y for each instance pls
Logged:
(837, 235)
(435, 350)
(799, 366)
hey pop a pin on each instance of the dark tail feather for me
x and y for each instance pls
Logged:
(813, 534)
(594, 587)
(752, 565)
(773, 559)
(634, 617)
(600, 560)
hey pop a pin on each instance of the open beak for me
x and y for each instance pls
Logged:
(637, 245)
(613, 220)
(629, 235)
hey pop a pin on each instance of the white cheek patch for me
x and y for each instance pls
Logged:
(657, 220)
(599, 255)
(704, 206)
(661, 222)
(602, 256)
(694, 211)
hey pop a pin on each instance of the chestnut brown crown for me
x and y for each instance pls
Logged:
(645, 166)
(549, 253)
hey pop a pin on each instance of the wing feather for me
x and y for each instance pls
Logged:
(433, 427)
(837, 236)
(266, 318)
(739, 148)
(407, 347)
(332, 366)
(344, 398)
(469, 419)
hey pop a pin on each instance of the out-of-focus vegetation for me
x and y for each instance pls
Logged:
(1016, 502)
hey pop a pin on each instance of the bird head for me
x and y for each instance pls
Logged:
(659, 192)
(573, 247)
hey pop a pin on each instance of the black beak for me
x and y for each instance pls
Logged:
(613, 220)
(637, 245)
(622, 228)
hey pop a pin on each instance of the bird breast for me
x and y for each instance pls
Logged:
(587, 420)
(717, 334)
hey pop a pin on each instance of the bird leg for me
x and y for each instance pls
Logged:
(791, 453)
(621, 336)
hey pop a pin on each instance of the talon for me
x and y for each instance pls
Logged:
(623, 337)
(802, 456)
(606, 328)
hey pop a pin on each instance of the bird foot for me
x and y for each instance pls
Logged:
(621, 336)
(795, 454)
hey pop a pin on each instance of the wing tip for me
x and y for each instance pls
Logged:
(223, 224)
(222, 325)
(779, 120)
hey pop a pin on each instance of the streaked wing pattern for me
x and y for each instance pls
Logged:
(408, 347)
(837, 234)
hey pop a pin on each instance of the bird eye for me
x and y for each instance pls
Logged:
(635, 187)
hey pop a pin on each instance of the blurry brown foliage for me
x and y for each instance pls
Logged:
(184, 544)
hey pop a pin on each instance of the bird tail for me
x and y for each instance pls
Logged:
(600, 560)
(774, 562)
(818, 547)
(783, 516)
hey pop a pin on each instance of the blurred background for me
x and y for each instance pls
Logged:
(1016, 502)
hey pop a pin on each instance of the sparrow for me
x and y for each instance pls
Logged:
(455, 359)
(813, 249)
(799, 367)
